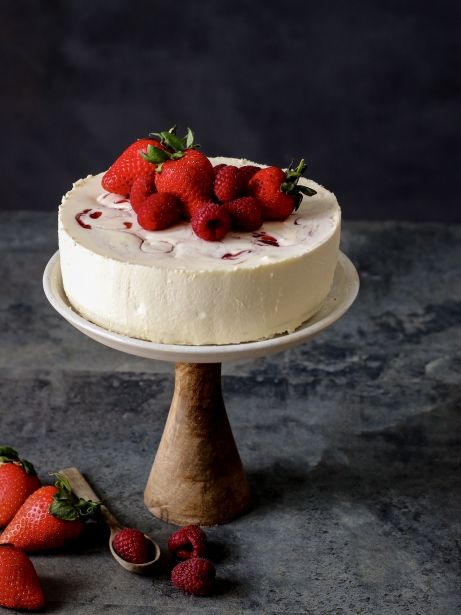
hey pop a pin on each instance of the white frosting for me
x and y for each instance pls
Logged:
(171, 286)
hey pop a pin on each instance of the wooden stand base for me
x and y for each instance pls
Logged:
(197, 476)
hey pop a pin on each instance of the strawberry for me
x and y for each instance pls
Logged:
(278, 191)
(227, 183)
(142, 187)
(210, 221)
(159, 211)
(131, 545)
(181, 170)
(51, 517)
(194, 576)
(129, 165)
(189, 541)
(246, 173)
(245, 213)
(18, 480)
(19, 584)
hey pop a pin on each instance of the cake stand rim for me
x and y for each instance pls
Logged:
(178, 353)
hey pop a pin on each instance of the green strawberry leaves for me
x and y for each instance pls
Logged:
(290, 185)
(9, 455)
(67, 506)
(176, 147)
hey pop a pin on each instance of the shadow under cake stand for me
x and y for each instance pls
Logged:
(197, 475)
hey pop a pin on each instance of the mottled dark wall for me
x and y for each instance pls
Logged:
(366, 91)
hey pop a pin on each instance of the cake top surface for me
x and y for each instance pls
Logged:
(106, 224)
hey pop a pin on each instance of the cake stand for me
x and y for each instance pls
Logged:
(197, 475)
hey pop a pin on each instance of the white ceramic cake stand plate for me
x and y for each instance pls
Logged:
(197, 475)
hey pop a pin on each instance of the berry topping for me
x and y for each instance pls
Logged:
(182, 170)
(194, 576)
(278, 190)
(246, 173)
(227, 183)
(132, 546)
(129, 166)
(218, 167)
(189, 541)
(159, 211)
(210, 221)
(245, 213)
(142, 187)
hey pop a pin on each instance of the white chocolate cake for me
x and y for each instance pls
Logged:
(173, 287)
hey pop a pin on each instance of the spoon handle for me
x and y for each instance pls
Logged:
(82, 489)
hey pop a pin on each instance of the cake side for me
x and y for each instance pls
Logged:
(208, 307)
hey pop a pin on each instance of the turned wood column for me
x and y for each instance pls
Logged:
(197, 475)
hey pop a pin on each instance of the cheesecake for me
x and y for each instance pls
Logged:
(172, 287)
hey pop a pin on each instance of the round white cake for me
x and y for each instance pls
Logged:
(173, 287)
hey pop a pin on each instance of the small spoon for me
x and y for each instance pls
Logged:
(82, 489)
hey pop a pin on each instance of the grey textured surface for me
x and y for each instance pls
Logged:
(351, 442)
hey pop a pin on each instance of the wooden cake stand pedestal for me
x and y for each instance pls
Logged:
(197, 475)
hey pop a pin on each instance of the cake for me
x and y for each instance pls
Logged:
(173, 287)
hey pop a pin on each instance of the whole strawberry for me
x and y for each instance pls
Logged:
(51, 517)
(278, 191)
(210, 221)
(227, 183)
(189, 541)
(129, 166)
(159, 211)
(18, 480)
(19, 584)
(245, 213)
(181, 169)
(131, 545)
(194, 576)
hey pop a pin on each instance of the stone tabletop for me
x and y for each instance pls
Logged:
(351, 442)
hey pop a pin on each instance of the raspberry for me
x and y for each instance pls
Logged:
(217, 167)
(227, 183)
(189, 541)
(194, 576)
(246, 173)
(159, 211)
(142, 187)
(245, 213)
(210, 221)
(132, 546)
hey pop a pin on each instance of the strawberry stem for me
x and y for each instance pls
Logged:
(290, 185)
(9, 455)
(176, 147)
(67, 506)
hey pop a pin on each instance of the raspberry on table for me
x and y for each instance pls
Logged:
(245, 213)
(210, 221)
(189, 541)
(159, 211)
(142, 187)
(227, 183)
(132, 546)
(194, 576)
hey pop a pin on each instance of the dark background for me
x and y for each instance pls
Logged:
(368, 92)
